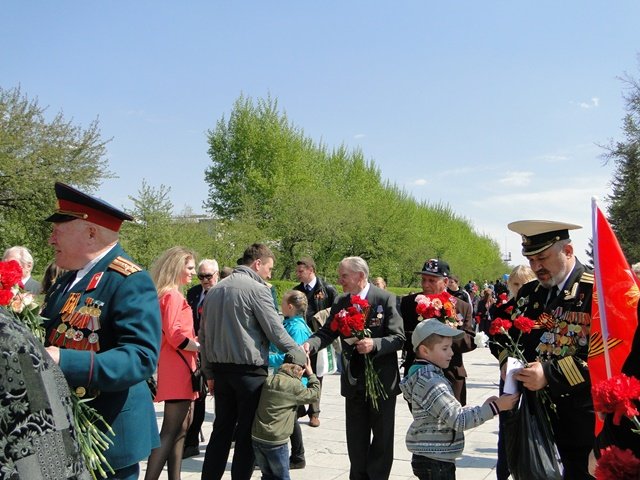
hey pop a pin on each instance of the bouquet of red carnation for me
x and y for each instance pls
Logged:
(617, 464)
(351, 322)
(93, 441)
(20, 304)
(617, 395)
(500, 326)
(440, 306)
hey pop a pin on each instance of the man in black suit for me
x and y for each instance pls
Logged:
(320, 295)
(371, 457)
(208, 275)
(435, 279)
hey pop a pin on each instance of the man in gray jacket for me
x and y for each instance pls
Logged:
(238, 322)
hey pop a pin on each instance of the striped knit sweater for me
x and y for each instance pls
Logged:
(438, 418)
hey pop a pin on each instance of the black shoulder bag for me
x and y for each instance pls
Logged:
(198, 382)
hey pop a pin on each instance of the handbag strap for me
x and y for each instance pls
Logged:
(185, 362)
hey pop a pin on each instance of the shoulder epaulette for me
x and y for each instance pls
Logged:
(586, 278)
(124, 266)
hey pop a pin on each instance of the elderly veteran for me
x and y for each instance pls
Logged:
(559, 301)
(104, 324)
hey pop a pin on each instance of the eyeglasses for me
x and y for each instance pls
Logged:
(206, 276)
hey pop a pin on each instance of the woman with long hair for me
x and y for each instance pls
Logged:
(170, 272)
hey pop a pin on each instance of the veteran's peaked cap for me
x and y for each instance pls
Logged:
(538, 235)
(74, 204)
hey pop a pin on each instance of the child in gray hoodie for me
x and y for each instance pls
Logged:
(435, 437)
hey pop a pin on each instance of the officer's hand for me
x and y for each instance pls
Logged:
(306, 347)
(365, 345)
(532, 377)
(54, 353)
(210, 385)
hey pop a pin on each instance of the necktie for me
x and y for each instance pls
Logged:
(307, 287)
(552, 295)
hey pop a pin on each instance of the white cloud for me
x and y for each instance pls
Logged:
(594, 103)
(358, 136)
(516, 179)
(420, 182)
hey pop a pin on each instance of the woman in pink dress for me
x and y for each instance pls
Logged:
(170, 272)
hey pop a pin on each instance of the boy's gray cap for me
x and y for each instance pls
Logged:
(432, 326)
(296, 356)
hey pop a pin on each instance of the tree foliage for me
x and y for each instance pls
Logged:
(34, 153)
(624, 206)
(329, 203)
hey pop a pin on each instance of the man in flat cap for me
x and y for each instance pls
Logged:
(435, 275)
(559, 301)
(104, 324)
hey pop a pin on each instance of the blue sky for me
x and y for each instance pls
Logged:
(495, 108)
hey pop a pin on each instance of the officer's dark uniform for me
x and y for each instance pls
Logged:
(560, 341)
(108, 328)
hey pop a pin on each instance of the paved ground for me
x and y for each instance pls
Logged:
(326, 449)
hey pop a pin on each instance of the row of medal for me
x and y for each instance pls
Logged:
(78, 329)
(566, 336)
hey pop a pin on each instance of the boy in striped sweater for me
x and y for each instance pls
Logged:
(435, 437)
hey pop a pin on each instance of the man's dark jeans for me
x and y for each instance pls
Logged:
(428, 469)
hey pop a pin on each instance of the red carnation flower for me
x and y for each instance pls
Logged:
(617, 395)
(617, 464)
(498, 325)
(10, 274)
(5, 297)
(524, 324)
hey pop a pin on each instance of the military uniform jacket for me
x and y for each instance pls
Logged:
(121, 308)
(388, 336)
(560, 341)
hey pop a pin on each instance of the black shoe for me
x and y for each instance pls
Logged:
(190, 451)
(297, 465)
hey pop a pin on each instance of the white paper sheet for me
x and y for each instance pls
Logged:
(510, 383)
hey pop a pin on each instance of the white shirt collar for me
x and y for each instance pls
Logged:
(87, 268)
(312, 283)
(363, 293)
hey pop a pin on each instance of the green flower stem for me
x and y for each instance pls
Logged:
(373, 386)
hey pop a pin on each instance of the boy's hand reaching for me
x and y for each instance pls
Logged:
(507, 402)
(307, 368)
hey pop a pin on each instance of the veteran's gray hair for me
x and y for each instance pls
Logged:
(356, 264)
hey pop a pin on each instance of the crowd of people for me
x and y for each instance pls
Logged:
(111, 327)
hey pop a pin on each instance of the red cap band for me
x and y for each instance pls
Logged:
(93, 215)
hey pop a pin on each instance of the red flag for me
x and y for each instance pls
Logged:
(614, 316)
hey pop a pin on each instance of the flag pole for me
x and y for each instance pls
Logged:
(599, 288)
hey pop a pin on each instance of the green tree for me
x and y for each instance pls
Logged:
(624, 207)
(34, 153)
(152, 230)
(303, 198)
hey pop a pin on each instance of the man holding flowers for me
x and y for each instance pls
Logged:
(435, 280)
(558, 306)
(370, 328)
